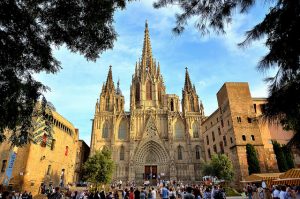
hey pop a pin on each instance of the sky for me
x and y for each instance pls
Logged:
(211, 61)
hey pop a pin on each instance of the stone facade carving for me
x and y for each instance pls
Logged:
(150, 144)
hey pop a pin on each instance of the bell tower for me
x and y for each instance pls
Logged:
(190, 99)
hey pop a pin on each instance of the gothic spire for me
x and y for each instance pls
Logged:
(187, 82)
(109, 81)
(118, 91)
(147, 51)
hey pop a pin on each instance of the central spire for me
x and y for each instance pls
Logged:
(187, 82)
(147, 51)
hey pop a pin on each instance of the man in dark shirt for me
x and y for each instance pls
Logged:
(137, 194)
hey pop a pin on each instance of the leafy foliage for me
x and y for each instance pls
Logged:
(288, 157)
(283, 157)
(281, 28)
(28, 30)
(99, 167)
(220, 166)
(252, 159)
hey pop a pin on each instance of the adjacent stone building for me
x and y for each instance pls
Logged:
(50, 160)
(83, 152)
(159, 137)
(235, 123)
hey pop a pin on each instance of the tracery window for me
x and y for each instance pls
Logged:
(180, 151)
(122, 130)
(179, 129)
(107, 104)
(159, 92)
(197, 149)
(195, 131)
(172, 105)
(192, 104)
(105, 130)
(122, 153)
(148, 91)
(137, 92)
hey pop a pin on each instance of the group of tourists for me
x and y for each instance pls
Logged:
(160, 192)
(257, 191)
(15, 195)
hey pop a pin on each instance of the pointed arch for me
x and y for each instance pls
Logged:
(192, 107)
(122, 153)
(148, 90)
(195, 130)
(122, 134)
(105, 130)
(179, 129)
(172, 105)
(107, 104)
(197, 150)
(180, 152)
(159, 93)
(137, 92)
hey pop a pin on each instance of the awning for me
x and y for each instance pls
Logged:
(258, 177)
(292, 173)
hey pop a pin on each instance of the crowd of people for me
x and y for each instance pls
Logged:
(257, 191)
(164, 190)
(150, 192)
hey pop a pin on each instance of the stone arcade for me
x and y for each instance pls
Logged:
(155, 139)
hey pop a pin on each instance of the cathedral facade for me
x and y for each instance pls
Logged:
(160, 137)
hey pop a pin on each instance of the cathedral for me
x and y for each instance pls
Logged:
(159, 138)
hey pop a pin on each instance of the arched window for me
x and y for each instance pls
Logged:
(122, 153)
(179, 129)
(180, 151)
(192, 104)
(195, 131)
(159, 92)
(137, 92)
(107, 104)
(105, 130)
(172, 105)
(148, 91)
(197, 149)
(122, 130)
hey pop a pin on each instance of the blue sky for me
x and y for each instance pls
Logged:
(211, 60)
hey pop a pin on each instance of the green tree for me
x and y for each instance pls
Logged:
(283, 156)
(288, 157)
(281, 28)
(220, 166)
(253, 163)
(28, 30)
(99, 167)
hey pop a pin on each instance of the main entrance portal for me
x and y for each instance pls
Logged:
(150, 172)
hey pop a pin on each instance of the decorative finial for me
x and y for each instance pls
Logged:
(118, 82)
(110, 66)
(186, 68)
(146, 23)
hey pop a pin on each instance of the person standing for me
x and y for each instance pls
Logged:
(164, 192)
(137, 194)
(131, 194)
(282, 194)
(153, 193)
(189, 194)
(275, 194)
(143, 194)
(56, 194)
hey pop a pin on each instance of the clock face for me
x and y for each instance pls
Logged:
(42, 132)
